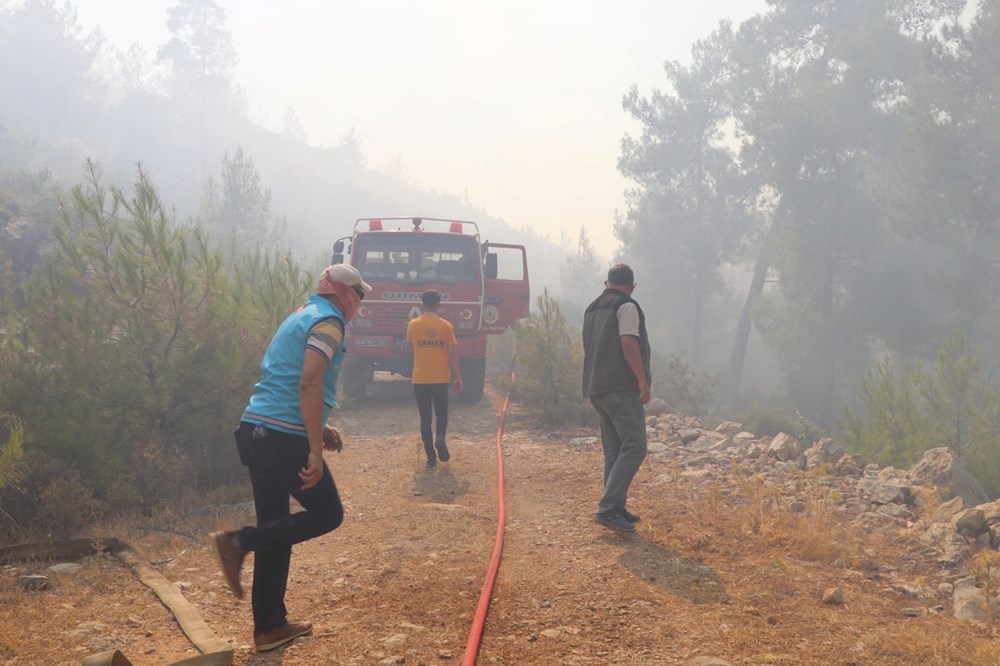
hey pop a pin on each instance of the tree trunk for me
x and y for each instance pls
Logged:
(738, 356)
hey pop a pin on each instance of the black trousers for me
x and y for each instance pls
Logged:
(274, 460)
(432, 396)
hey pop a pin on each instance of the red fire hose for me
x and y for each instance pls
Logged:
(479, 622)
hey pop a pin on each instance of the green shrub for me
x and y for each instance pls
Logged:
(909, 411)
(684, 388)
(136, 349)
(66, 505)
(549, 364)
(769, 421)
(11, 451)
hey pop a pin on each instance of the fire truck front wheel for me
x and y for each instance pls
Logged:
(473, 379)
(356, 374)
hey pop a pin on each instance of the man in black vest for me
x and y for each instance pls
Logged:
(616, 378)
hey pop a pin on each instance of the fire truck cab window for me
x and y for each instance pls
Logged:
(423, 258)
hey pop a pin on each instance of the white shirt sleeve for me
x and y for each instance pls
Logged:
(628, 320)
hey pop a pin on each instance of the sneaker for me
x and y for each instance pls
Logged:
(630, 517)
(230, 559)
(442, 450)
(614, 521)
(272, 638)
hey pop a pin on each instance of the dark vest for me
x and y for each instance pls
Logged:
(604, 367)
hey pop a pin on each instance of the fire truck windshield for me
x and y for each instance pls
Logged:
(418, 257)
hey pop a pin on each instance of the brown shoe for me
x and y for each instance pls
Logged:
(230, 559)
(272, 638)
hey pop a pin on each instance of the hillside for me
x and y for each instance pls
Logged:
(736, 551)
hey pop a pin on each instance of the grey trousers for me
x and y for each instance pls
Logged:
(623, 437)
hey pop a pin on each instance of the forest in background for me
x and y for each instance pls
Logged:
(814, 224)
(811, 220)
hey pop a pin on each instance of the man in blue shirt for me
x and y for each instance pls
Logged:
(280, 438)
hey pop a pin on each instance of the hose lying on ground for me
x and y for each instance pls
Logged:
(479, 622)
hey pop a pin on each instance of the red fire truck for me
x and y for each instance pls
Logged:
(484, 289)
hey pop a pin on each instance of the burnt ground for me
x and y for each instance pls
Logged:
(400, 580)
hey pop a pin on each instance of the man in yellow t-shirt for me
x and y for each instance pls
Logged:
(435, 365)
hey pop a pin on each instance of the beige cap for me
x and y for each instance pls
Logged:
(346, 274)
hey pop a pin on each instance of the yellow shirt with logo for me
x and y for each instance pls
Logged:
(431, 337)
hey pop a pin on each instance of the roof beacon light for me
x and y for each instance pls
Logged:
(416, 224)
(455, 228)
(374, 225)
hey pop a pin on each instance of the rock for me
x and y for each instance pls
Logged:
(729, 428)
(784, 447)
(688, 436)
(34, 583)
(550, 633)
(850, 464)
(722, 445)
(412, 627)
(914, 612)
(971, 523)
(65, 568)
(658, 406)
(707, 661)
(884, 492)
(824, 452)
(708, 439)
(952, 548)
(393, 660)
(947, 512)
(969, 600)
(942, 468)
(445, 654)
(396, 640)
(834, 595)
(584, 441)
(896, 511)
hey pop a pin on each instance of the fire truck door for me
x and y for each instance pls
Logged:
(508, 295)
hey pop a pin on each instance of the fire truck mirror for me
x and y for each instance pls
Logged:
(491, 266)
(338, 253)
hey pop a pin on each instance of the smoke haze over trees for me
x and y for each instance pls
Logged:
(834, 159)
(812, 213)
(72, 96)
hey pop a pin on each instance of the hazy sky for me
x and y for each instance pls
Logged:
(516, 103)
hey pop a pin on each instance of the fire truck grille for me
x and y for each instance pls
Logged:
(394, 318)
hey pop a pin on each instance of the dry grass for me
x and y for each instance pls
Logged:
(725, 569)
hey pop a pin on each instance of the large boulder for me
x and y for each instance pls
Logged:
(824, 452)
(657, 406)
(729, 428)
(943, 469)
(784, 447)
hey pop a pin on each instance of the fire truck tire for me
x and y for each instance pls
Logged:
(473, 379)
(357, 373)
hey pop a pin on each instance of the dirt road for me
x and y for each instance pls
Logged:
(398, 583)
